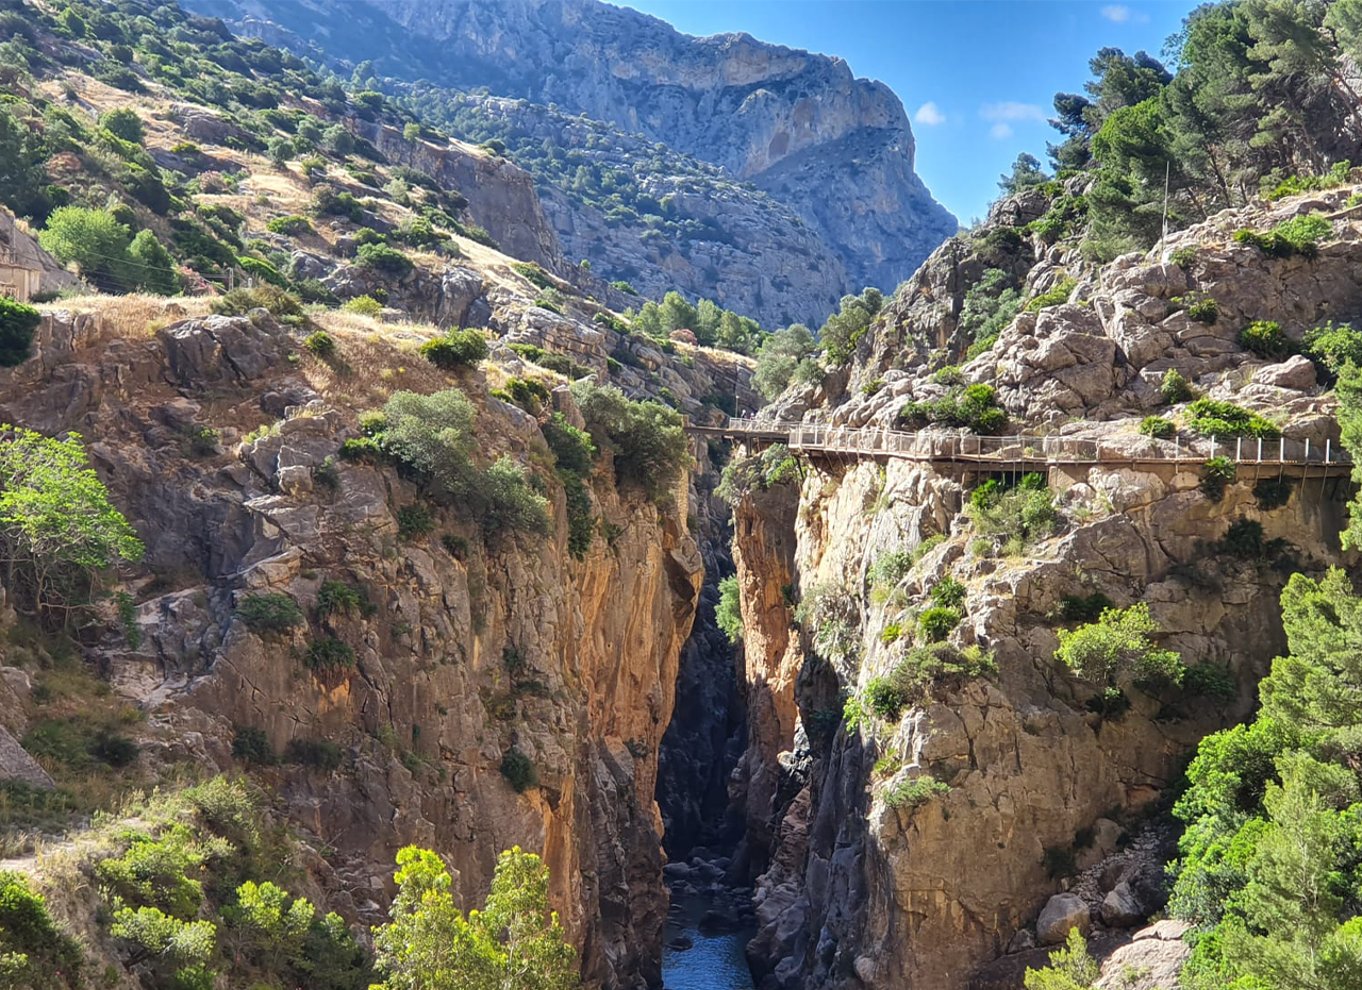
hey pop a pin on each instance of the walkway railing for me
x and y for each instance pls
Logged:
(1026, 449)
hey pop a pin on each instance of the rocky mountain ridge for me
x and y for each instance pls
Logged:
(861, 885)
(836, 151)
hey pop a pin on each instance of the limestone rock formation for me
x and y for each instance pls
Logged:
(840, 206)
(864, 878)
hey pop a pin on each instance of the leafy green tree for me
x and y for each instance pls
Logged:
(1026, 173)
(514, 943)
(17, 323)
(94, 240)
(151, 265)
(1116, 649)
(646, 439)
(433, 434)
(785, 355)
(728, 613)
(123, 123)
(844, 329)
(1071, 967)
(58, 529)
(22, 175)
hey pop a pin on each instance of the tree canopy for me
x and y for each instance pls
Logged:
(514, 943)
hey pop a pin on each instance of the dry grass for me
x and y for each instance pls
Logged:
(137, 314)
(373, 360)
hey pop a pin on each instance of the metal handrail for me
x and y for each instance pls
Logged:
(1028, 448)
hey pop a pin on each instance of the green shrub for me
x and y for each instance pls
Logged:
(533, 274)
(382, 258)
(1265, 338)
(1117, 649)
(1059, 294)
(728, 612)
(203, 441)
(1293, 184)
(292, 225)
(254, 267)
(647, 439)
(1157, 427)
(889, 568)
(1175, 388)
(1216, 473)
(925, 670)
(414, 521)
(937, 622)
(519, 770)
(1299, 235)
(1332, 346)
(580, 518)
(948, 593)
(1184, 257)
(33, 951)
(529, 394)
(1214, 418)
(883, 698)
(1203, 310)
(892, 633)
(239, 302)
(251, 745)
(974, 407)
(560, 363)
(338, 598)
(773, 466)
(456, 349)
(949, 375)
(123, 123)
(914, 793)
(363, 449)
(1272, 493)
(508, 502)
(17, 323)
(572, 448)
(364, 306)
(320, 343)
(328, 655)
(269, 612)
(1019, 516)
(319, 753)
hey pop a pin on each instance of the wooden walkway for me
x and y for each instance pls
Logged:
(1296, 458)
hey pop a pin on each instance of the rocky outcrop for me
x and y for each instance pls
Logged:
(461, 649)
(500, 196)
(917, 848)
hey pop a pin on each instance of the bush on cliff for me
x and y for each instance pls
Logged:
(514, 943)
(17, 323)
(647, 439)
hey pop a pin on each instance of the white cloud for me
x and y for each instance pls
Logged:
(929, 115)
(1012, 110)
(1119, 13)
(1000, 131)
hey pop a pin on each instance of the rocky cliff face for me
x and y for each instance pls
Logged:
(834, 151)
(461, 654)
(863, 887)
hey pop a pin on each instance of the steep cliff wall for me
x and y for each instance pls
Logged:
(461, 653)
(867, 887)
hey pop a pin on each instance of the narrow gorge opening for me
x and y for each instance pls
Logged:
(711, 916)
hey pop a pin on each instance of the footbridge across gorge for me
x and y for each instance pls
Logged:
(1067, 455)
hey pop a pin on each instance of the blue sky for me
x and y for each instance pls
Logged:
(976, 76)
